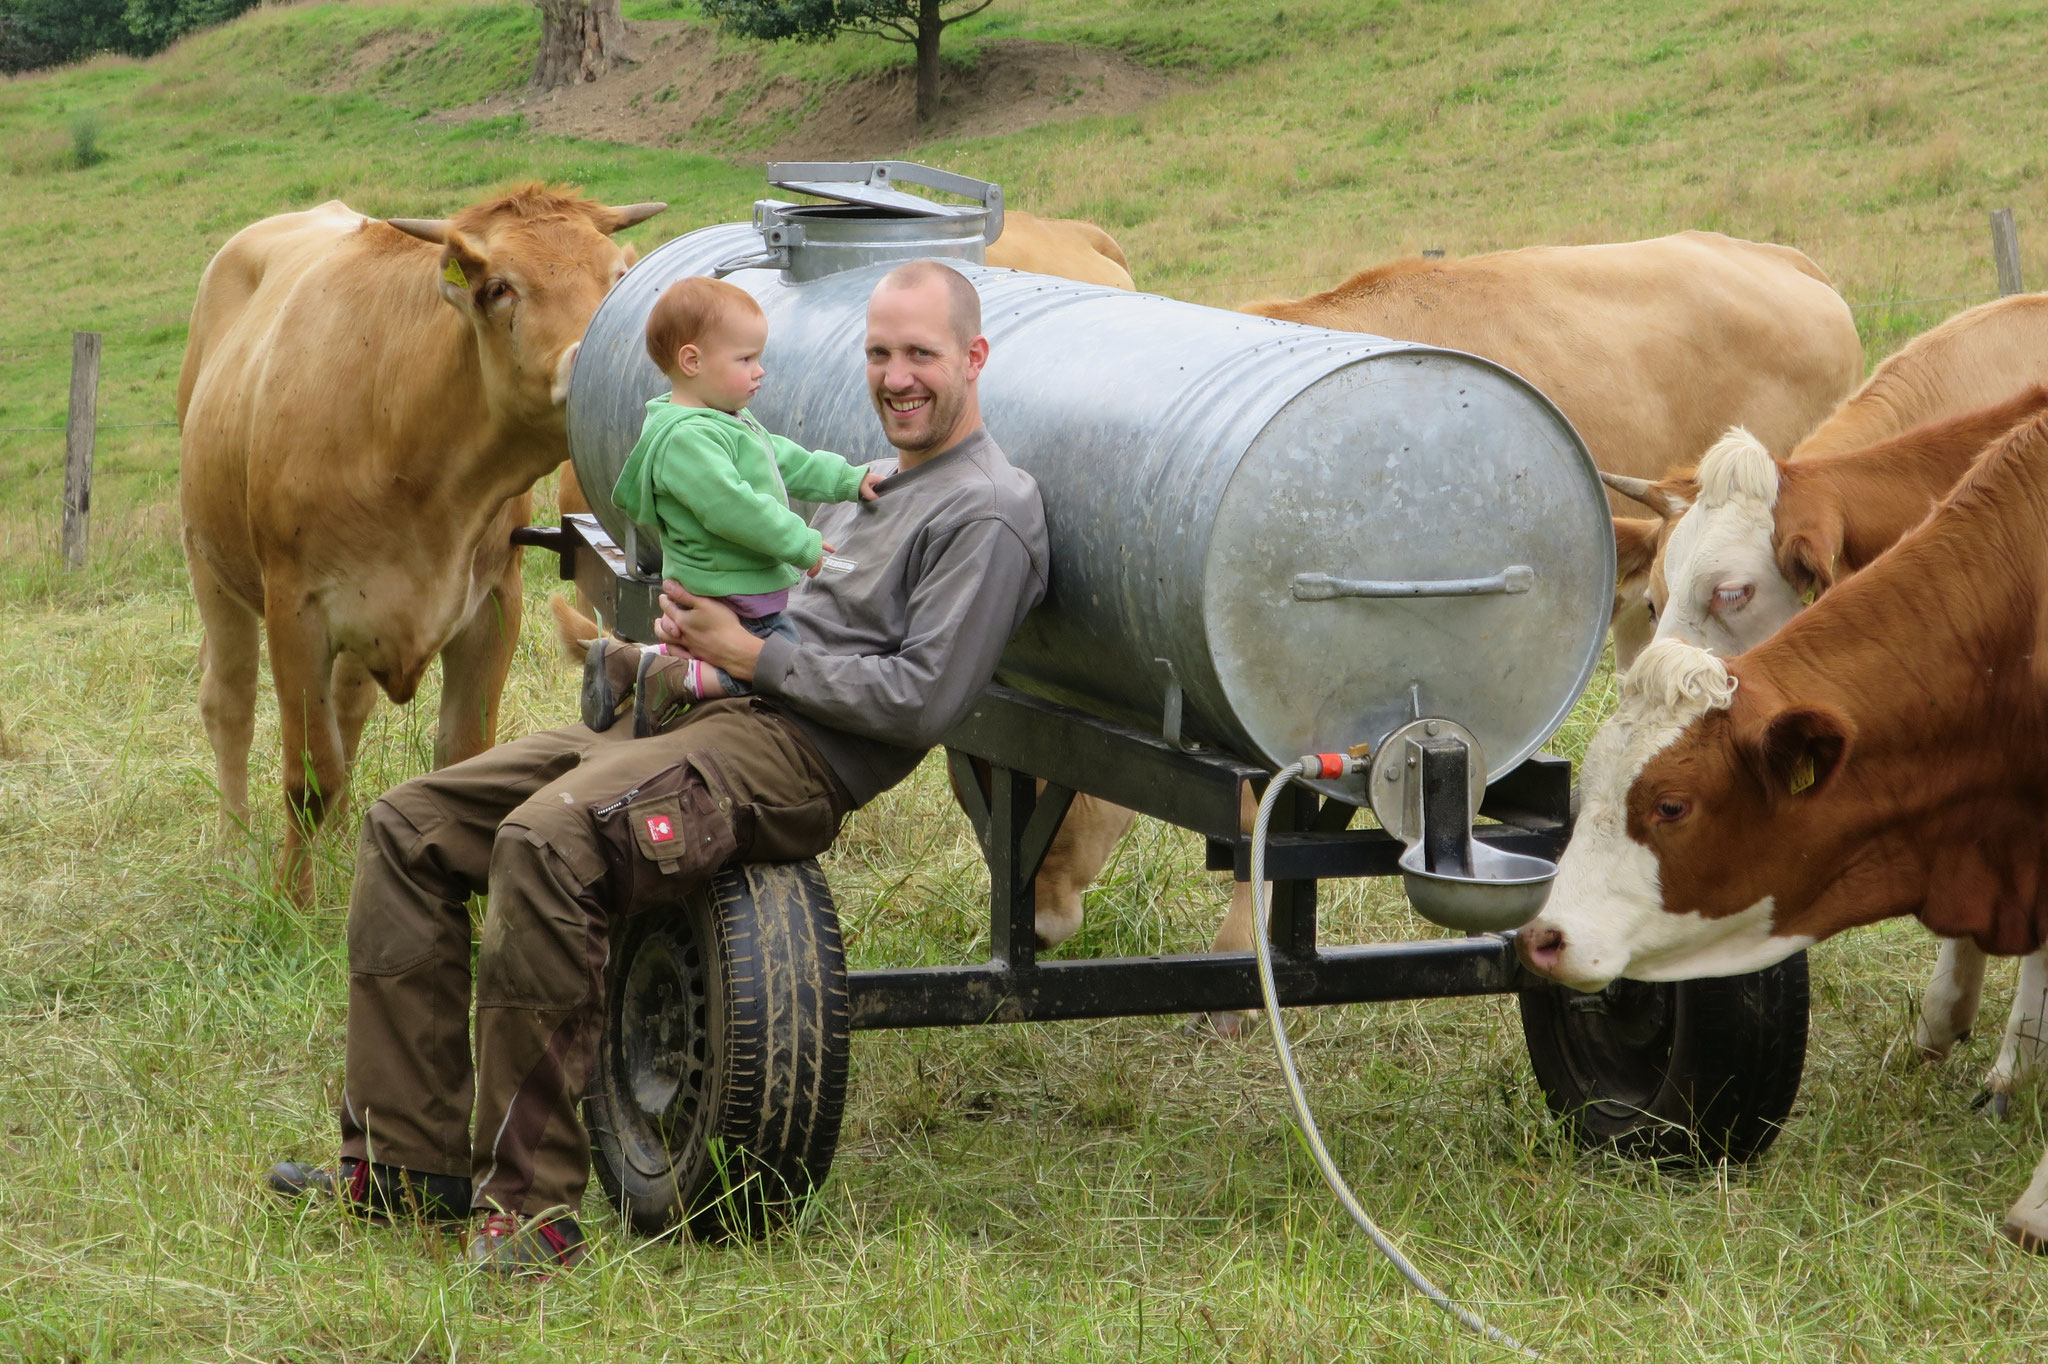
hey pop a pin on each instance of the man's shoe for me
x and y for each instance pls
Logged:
(510, 1244)
(376, 1192)
(609, 668)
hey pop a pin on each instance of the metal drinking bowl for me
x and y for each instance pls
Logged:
(1505, 890)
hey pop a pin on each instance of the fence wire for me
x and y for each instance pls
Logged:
(97, 426)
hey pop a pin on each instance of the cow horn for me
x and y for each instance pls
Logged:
(631, 214)
(433, 230)
(1637, 488)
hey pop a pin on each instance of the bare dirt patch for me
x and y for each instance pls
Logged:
(681, 93)
(372, 56)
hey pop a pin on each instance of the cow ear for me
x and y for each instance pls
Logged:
(463, 269)
(1635, 546)
(1807, 559)
(1799, 750)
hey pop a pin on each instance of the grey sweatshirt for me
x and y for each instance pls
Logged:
(904, 626)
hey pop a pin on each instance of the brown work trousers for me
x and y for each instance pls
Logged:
(564, 831)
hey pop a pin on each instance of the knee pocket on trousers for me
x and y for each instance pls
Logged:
(390, 936)
(536, 950)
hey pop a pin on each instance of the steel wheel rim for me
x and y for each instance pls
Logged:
(1618, 1043)
(662, 1061)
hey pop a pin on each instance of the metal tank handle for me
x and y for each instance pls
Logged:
(776, 236)
(1512, 580)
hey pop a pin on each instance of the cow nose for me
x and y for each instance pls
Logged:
(1541, 946)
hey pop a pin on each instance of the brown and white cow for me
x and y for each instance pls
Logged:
(1883, 754)
(1755, 539)
(1977, 359)
(364, 407)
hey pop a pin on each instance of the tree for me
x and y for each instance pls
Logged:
(916, 22)
(35, 33)
(580, 40)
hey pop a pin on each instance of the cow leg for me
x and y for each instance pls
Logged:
(1949, 1008)
(227, 687)
(1079, 851)
(1081, 847)
(2020, 1055)
(315, 775)
(473, 669)
(355, 696)
(2026, 1222)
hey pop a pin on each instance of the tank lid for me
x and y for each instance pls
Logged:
(871, 184)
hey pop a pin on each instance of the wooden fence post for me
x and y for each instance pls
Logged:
(78, 441)
(2005, 251)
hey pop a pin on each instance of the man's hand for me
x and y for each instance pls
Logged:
(870, 486)
(708, 629)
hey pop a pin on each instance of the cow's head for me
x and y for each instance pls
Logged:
(1704, 845)
(527, 271)
(1722, 580)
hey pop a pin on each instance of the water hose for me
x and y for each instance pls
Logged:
(1329, 765)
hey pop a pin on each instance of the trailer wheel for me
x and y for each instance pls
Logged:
(1690, 1073)
(721, 1076)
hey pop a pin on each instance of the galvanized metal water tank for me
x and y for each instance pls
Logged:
(1313, 535)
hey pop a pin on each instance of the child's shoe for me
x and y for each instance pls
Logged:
(609, 669)
(664, 687)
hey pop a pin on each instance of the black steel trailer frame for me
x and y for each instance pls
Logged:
(1012, 741)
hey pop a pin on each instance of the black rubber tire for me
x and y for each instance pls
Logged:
(1690, 1074)
(720, 1080)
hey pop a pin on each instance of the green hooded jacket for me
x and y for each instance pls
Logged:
(717, 486)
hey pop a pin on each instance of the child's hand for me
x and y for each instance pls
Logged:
(824, 549)
(870, 489)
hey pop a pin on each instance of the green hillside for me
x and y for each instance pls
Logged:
(1076, 1192)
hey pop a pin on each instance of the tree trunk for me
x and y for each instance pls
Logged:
(929, 27)
(580, 40)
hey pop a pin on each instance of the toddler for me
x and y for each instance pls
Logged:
(717, 486)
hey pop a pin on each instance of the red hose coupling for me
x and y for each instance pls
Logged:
(1325, 766)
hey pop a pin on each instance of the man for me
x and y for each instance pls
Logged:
(895, 647)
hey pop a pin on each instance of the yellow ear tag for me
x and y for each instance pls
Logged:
(452, 272)
(1802, 775)
(1807, 597)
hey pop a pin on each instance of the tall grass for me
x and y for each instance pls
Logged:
(1075, 1191)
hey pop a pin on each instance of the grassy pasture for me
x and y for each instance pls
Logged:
(1081, 1191)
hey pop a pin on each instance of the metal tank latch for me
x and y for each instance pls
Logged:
(858, 185)
(1426, 782)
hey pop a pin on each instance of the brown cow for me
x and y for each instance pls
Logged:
(1977, 358)
(1881, 755)
(364, 406)
(1069, 248)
